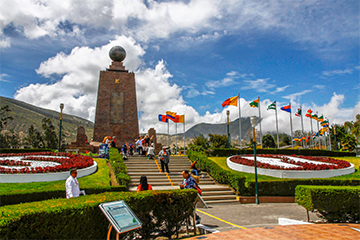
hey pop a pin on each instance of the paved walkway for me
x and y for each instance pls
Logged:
(260, 221)
(225, 217)
(291, 232)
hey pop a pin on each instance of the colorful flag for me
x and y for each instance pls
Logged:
(297, 139)
(272, 106)
(314, 116)
(308, 138)
(298, 113)
(230, 101)
(308, 113)
(255, 103)
(325, 122)
(321, 118)
(180, 118)
(171, 115)
(163, 118)
(286, 108)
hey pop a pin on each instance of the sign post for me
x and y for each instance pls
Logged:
(120, 216)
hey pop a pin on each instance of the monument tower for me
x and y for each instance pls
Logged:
(116, 108)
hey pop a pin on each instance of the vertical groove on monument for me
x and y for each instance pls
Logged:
(116, 107)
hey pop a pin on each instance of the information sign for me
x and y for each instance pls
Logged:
(120, 216)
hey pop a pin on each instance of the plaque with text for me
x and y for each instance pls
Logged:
(120, 216)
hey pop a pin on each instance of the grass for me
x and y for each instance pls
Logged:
(221, 161)
(99, 178)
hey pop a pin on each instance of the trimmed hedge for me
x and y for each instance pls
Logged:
(225, 152)
(246, 187)
(161, 212)
(25, 150)
(119, 167)
(235, 180)
(15, 193)
(334, 203)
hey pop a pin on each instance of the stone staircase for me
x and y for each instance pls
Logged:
(212, 192)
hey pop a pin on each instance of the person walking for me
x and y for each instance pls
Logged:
(164, 156)
(143, 186)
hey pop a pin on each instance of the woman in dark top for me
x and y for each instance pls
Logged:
(143, 184)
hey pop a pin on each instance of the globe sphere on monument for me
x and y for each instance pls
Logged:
(117, 54)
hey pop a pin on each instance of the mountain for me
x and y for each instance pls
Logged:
(221, 129)
(24, 115)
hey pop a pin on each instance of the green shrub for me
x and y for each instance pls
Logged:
(245, 185)
(236, 181)
(161, 212)
(15, 193)
(225, 152)
(24, 150)
(119, 167)
(334, 203)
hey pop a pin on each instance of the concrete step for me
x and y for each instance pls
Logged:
(215, 193)
(235, 201)
(219, 197)
(153, 184)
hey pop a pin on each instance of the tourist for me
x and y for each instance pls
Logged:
(113, 142)
(151, 151)
(195, 170)
(139, 148)
(164, 156)
(72, 185)
(190, 183)
(143, 186)
(131, 149)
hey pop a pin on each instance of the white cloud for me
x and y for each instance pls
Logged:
(295, 96)
(281, 89)
(3, 77)
(261, 85)
(337, 72)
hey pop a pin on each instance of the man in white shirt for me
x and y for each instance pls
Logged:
(72, 185)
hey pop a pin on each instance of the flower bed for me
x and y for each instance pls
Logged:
(52, 162)
(291, 166)
(293, 162)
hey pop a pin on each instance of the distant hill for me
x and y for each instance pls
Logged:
(24, 115)
(221, 129)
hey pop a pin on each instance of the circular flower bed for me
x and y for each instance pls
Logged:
(291, 166)
(42, 162)
(294, 162)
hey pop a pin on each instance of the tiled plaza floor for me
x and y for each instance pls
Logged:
(290, 232)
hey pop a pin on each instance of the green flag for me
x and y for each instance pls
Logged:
(255, 103)
(272, 106)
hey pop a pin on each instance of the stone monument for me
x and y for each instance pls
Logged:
(116, 107)
(81, 144)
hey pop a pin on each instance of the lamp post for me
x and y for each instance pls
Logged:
(61, 110)
(228, 128)
(253, 121)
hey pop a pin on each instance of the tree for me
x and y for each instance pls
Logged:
(199, 144)
(12, 139)
(50, 137)
(4, 116)
(268, 141)
(348, 142)
(34, 138)
(218, 141)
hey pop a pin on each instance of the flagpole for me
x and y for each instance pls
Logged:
(329, 134)
(311, 141)
(260, 123)
(277, 127)
(184, 136)
(240, 121)
(302, 125)
(175, 138)
(317, 123)
(291, 128)
(168, 134)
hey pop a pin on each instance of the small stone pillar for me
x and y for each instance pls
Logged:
(152, 132)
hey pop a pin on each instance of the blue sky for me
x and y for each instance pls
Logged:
(188, 56)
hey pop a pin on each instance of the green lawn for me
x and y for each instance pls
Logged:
(99, 178)
(221, 161)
